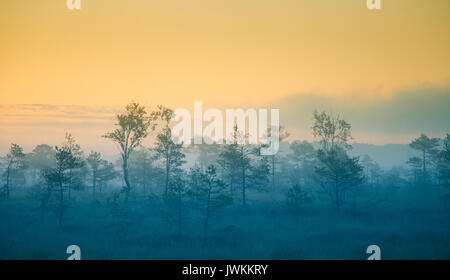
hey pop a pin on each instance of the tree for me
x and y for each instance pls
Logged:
(297, 198)
(444, 163)
(300, 151)
(170, 153)
(15, 164)
(372, 171)
(428, 148)
(60, 179)
(415, 164)
(94, 160)
(302, 159)
(211, 191)
(336, 171)
(283, 134)
(41, 158)
(76, 170)
(143, 172)
(105, 173)
(227, 160)
(236, 157)
(177, 190)
(101, 170)
(259, 172)
(207, 154)
(132, 128)
(331, 131)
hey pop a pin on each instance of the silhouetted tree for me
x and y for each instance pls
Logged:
(143, 172)
(132, 128)
(170, 153)
(331, 131)
(260, 170)
(283, 134)
(211, 190)
(297, 198)
(77, 171)
(428, 148)
(444, 163)
(337, 171)
(41, 158)
(207, 154)
(372, 171)
(60, 179)
(236, 157)
(101, 170)
(15, 165)
(177, 191)
(301, 159)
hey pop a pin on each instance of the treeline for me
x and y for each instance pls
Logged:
(219, 176)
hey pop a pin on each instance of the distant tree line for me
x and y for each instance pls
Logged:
(212, 177)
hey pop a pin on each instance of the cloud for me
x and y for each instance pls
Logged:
(44, 114)
(414, 111)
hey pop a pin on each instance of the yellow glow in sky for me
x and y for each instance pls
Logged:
(67, 70)
(222, 52)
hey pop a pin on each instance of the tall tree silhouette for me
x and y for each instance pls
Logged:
(15, 164)
(132, 128)
(76, 174)
(143, 172)
(428, 148)
(101, 170)
(236, 157)
(42, 157)
(166, 149)
(60, 179)
(444, 163)
(337, 171)
(212, 192)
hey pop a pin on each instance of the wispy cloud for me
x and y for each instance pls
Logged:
(45, 114)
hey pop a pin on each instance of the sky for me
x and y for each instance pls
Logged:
(71, 70)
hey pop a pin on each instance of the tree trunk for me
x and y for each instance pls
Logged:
(179, 213)
(243, 186)
(125, 177)
(424, 169)
(167, 177)
(8, 175)
(94, 181)
(273, 172)
(336, 182)
(208, 210)
(61, 201)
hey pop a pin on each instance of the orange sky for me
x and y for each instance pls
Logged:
(223, 52)
(230, 52)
